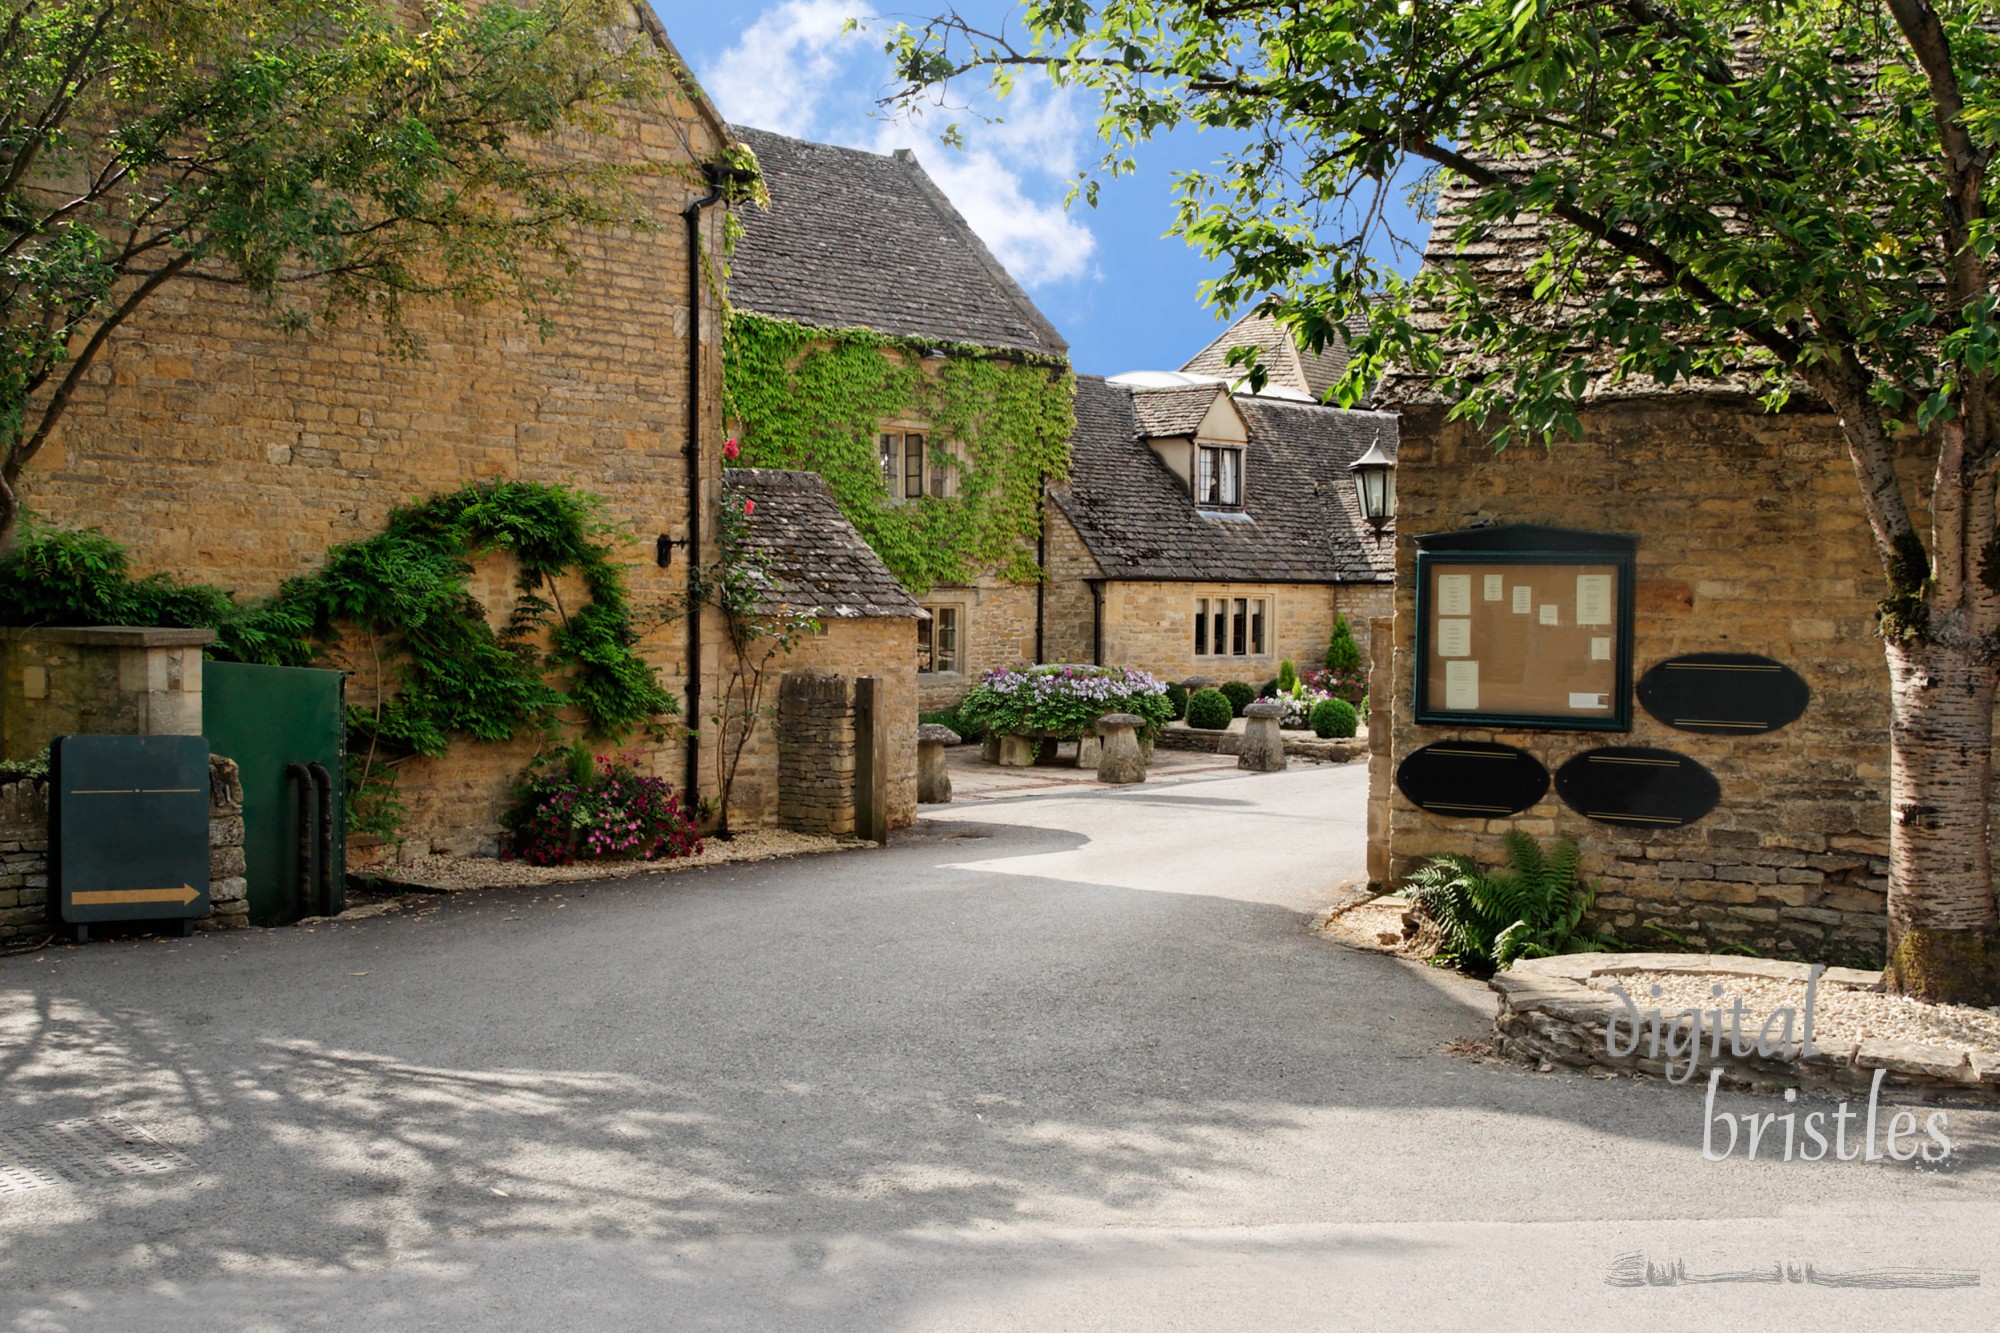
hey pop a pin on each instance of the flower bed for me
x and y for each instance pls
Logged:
(580, 809)
(1063, 701)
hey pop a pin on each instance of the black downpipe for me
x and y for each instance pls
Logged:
(1041, 567)
(1096, 622)
(691, 781)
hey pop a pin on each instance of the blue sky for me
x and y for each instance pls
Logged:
(1123, 294)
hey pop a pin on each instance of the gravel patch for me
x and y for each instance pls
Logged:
(1840, 1014)
(456, 874)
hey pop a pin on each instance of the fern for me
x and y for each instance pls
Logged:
(1486, 921)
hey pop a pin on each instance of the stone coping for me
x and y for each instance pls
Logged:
(1549, 1012)
(114, 636)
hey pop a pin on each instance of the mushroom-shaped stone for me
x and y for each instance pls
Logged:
(1193, 683)
(1263, 748)
(933, 774)
(1121, 761)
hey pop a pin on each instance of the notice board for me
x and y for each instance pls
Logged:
(1525, 626)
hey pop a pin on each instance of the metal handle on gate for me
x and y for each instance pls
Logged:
(304, 881)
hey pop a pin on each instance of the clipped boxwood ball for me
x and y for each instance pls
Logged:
(1209, 710)
(1177, 695)
(1241, 694)
(1334, 719)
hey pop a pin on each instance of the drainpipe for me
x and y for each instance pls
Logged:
(691, 781)
(1041, 566)
(1096, 621)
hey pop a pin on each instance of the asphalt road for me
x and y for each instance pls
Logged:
(1065, 1063)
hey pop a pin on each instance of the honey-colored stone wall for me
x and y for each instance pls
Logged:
(1069, 614)
(996, 628)
(218, 448)
(1151, 626)
(885, 647)
(1750, 540)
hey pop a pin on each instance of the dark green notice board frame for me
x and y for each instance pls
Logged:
(128, 831)
(1462, 622)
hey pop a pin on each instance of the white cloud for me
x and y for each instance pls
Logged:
(795, 71)
(786, 63)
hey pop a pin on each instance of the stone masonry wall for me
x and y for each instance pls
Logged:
(24, 854)
(996, 628)
(885, 647)
(1750, 539)
(1151, 626)
(815, 782)
(1069, 614)
(221, 449)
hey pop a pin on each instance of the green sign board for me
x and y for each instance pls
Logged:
(128, 833)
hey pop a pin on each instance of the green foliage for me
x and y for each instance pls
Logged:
(1485, 921)
(1177, 696)
(1240, 693)
(968, 728)
(1209, 710)
(327, 156)
(574, 806)
(1269, 689)
(1288, 676)
(1342, 653)
(1062, 700)
(32, 769)
(439, 670)
(817, 399)
(1334, 718)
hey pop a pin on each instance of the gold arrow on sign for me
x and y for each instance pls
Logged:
(184, 894)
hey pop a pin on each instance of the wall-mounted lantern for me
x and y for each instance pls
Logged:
(1375, 486)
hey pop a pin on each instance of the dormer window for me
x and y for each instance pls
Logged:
(1218, 477)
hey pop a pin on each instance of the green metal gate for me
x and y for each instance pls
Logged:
(285, 728)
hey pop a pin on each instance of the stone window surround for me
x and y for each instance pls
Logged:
(1202, 449)
(1201, 608)
(939, 483)
(957, 611)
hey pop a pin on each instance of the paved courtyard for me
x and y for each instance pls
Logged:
(1072, 1061)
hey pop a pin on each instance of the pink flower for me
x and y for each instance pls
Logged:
(730, 449)
(749, 507)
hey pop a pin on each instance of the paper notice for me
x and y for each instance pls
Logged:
(1551, 614)
(1593, 599)
(1461, 685)
(1454, 594)
(1524, 601)
(1600, 648)
(1494, 586)
(1454, 638)
(1590, 701)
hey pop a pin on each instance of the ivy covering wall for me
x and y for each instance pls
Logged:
(815, 399)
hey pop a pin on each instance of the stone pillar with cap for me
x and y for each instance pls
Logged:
(1263, 748)
(933, 773)
(1121, 760)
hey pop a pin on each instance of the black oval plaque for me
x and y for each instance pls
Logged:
(1472, 779)
(1724, 694)
(1638, 788)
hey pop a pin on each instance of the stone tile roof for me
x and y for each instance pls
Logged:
(1290, 367)
(859, 240)
(1301, 522)
(820, 562)
(1176, 411)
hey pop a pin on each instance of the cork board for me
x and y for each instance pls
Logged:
(1536, 641)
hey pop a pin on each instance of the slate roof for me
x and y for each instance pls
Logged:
(1290, 367)
(1176, 411)
(859, 240)
(1301, 522)
(820, 562)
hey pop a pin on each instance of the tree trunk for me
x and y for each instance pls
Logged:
(10, 517)
(1942, 917)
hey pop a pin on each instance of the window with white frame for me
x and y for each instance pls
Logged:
(1218, 477)
(938, 642)
(912, 467)
(1231, 626)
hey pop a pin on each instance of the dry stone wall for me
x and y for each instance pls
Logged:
(1750, 540)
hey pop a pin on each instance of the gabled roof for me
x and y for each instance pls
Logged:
(1301, 523)
(859, 240)
(822, 566)
(1291, 368)
(1163, 413)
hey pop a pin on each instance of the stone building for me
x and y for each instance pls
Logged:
(1749, 539)
(1208, 533)
(221, 449)
(861, 250)
(868, 627)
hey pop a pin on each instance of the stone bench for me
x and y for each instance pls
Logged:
(933, 773)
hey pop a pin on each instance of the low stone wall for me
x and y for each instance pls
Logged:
(1549, 1012)
(1298, 745)
(24, 854)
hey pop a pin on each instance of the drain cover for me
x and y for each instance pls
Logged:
(79, 1151)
